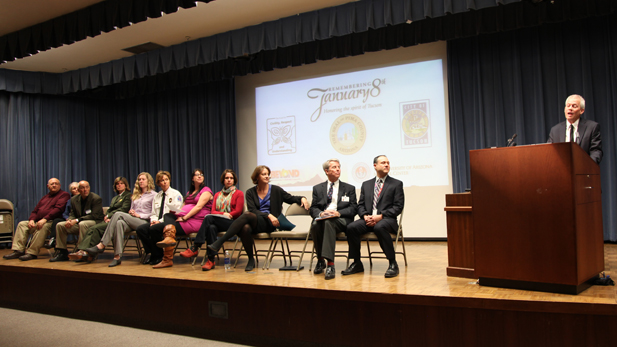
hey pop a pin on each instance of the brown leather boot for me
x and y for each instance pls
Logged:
(168, 243)
(168, 258)
(169, 234)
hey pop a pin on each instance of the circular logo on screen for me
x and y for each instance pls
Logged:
(360, 172)
(415, 123)
(347, 134)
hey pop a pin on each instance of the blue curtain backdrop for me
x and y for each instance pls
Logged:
(518, 81)
(97, 140)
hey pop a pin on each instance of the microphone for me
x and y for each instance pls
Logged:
(510, 141)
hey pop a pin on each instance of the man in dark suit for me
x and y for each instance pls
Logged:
(582, 131)
(334, 206)
(119, 203)
(381, 201)
(86, 211)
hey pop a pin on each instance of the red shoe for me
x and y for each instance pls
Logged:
(189, 253)
(208, 266)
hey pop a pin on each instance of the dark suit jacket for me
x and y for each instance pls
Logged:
(589, 137)
(119, 203)
(94, 204)
(391, 200)
(347, 209)
(277, 196)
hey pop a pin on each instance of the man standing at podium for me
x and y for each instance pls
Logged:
(582, 131)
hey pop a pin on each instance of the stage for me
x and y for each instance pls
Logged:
(422, 306)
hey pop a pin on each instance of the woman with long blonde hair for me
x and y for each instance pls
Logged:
(121, 222)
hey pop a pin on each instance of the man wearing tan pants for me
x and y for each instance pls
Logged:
(49, 207)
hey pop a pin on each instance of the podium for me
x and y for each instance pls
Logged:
(459, 221)
(537, 214)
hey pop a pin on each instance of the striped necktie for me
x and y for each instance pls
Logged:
(377, 192)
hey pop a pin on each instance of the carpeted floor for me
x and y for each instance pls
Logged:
(21, 328)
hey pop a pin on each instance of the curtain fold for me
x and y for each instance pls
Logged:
(341, 31)
(325, 24)
(97, 140)
(518, 81)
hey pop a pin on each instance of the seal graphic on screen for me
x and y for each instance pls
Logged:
(360, 172)
(347, 134)
(281, 135)
(415, 124)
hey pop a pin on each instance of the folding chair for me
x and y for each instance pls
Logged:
(284, 236)
(7, 224)
(399, 236)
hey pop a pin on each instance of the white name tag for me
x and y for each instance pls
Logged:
(345, 198)
(88, 211)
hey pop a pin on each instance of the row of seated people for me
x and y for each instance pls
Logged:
(159, 217)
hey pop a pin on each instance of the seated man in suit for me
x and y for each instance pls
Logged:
(86, 211)
(49, 207)
(381, 201)
(334, 206)
(119, 203)
(582, 131)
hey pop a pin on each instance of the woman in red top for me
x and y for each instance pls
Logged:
(228, 205)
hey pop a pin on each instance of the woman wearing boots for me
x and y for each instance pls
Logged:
(228, 205)
(197, 204)
(120, 223)
(265, 204)
(168, 199)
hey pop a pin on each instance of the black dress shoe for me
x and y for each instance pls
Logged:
(330, 272)
(214, 248)
(154, 261)
(250, 265)
(27, 257)
(61, 255)
(14, 255)
(354, 268)
(115, 262)
(321, 264)
(51, 243)
(146, 260)
(94, 251)
(392, 270)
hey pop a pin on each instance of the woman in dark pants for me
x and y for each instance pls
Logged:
(265, 204)
(228, 205)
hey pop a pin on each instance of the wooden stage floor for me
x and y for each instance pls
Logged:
(422, 283)
(425, 274)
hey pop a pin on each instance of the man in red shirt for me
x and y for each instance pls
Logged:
(49, 207)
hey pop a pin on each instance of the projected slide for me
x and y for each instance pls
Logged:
(398, 111)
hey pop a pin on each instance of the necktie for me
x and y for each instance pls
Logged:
(571, 133)
(162, 206)
(330, 192)
(377, 192)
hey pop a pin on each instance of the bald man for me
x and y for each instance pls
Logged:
(585, 132)
(86, 211)
(49, 207)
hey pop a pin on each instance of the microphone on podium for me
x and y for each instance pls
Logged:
(511, 142)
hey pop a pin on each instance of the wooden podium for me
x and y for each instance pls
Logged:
(459, 220)
(537, 214)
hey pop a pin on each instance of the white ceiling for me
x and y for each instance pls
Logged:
(186, 24)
